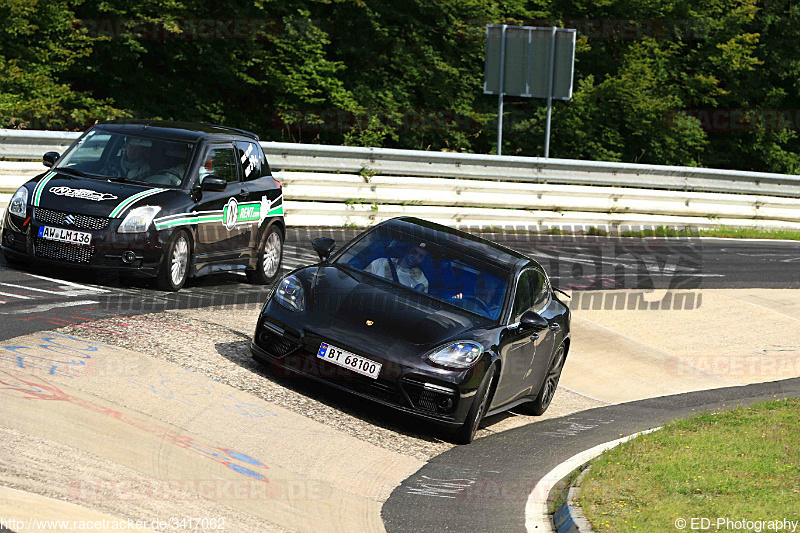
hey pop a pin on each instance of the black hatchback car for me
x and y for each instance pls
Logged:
(160, 199)
(424, 318)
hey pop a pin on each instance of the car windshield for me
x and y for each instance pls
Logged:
(440, 271)
(106, 155)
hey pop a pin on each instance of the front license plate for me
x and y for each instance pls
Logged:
(356, 363)
(65, 235)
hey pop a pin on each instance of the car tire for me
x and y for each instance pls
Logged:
(175, 263)
(466, 433)
(548, 389)
(270, 257)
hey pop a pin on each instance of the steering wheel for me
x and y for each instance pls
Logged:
(480, 303)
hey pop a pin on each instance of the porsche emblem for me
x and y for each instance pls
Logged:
(370, 322)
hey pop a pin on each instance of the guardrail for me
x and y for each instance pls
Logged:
(340, 185)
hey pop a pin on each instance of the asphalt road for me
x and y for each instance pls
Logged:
(38, 298)
(485, 486)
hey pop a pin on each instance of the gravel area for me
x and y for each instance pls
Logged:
(215, 343)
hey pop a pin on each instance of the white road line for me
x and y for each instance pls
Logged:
(26, 288)
(15, 296)
(537, 517)
(68, 283)
(48, 307)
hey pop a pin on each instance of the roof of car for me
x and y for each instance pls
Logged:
(180, 131)
(455, 238)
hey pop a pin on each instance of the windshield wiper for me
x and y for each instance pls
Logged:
(76, 172)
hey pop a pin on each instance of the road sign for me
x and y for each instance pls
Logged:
(531, 62)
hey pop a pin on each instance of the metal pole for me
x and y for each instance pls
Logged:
(500, 125)
(502, 87)
(550, 91)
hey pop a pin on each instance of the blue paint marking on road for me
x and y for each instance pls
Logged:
(243, 457)
(67, 356)
(182, 387)
(245, 471)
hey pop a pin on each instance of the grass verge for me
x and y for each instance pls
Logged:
(742, 464)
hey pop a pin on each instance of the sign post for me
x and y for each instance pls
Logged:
(531, 62)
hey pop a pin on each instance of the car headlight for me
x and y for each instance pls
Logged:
(139, 219)
(290, 294)
(459, 354)
(19, 202)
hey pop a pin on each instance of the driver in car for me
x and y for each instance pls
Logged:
(405, 270)
(133, 165)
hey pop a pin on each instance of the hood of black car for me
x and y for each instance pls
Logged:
(86, 196)
(363, 307)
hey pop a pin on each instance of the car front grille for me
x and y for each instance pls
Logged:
(374, 387)
(73, 253)
(48, 216)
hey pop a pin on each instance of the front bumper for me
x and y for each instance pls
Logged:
(440, 397)
(20, 240)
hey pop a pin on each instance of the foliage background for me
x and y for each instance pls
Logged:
(713, 83)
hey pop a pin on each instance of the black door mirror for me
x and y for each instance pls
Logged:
(533, 321)
(49, 159)
(213, 183)
(324, 247)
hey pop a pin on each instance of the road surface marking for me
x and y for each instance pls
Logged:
(26, 288)
(68, 283)
(48, 307)
(15, 296)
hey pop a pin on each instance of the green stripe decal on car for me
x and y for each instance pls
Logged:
(125, 204)
(188, 219)
(37, 192)
(233, 214)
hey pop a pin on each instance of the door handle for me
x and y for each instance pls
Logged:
(555, 326)
(244, 193)
(535, 336)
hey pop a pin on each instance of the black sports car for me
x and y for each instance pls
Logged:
(424, 318)
(160, 199)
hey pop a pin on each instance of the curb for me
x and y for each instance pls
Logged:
(538, 516)
(569, 518)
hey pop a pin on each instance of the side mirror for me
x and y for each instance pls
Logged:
(213, 183)
(49, 159)
(533, 321)
(324, 247)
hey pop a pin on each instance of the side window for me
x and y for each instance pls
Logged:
(266, 172)
(250, 157)
(221, 162)
(523, 299)
(541, 292)
(533, 292)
